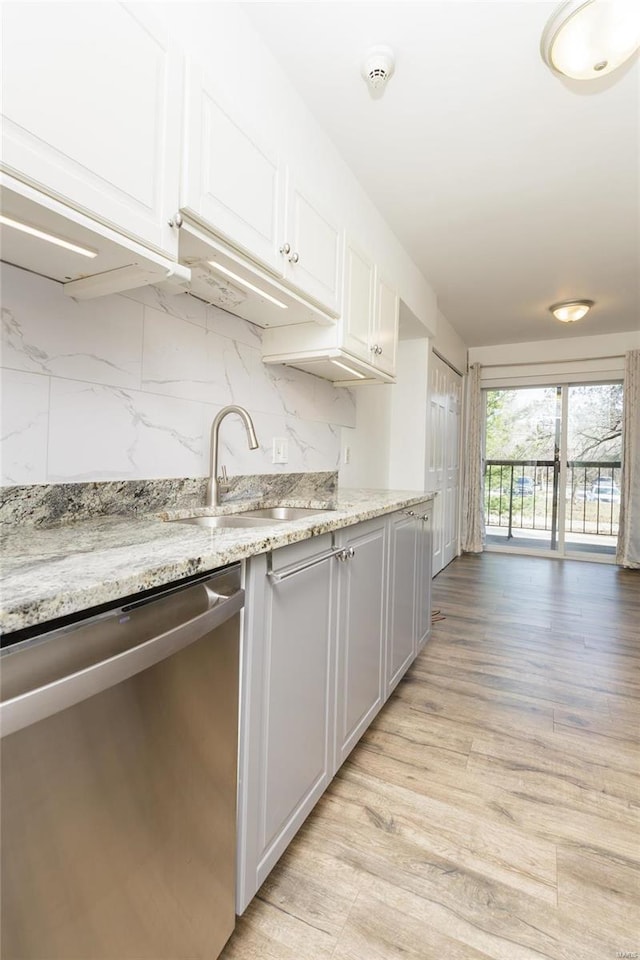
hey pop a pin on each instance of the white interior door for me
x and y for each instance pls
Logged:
(451, 493)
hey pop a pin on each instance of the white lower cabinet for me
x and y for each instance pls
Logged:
(424, 560)
(286, 752)
(361, 633)
(322, 617)
(409, 589)
(401, 646)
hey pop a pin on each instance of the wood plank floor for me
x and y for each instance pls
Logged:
(492, 809)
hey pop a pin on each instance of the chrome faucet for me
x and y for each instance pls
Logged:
(214, 479)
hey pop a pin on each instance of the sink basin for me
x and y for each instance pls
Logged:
(223, 522)
(282, 513)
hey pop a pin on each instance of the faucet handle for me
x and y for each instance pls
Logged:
(223, 478)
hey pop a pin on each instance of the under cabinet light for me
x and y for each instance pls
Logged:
(49, 237)
(246, 283)
(349, 369)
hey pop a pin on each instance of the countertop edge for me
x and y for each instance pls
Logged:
(196, 551)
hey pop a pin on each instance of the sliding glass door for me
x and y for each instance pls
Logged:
(552, 465)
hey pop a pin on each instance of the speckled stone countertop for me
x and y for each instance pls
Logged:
(56, 571)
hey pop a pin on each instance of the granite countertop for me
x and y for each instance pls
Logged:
(56, 571)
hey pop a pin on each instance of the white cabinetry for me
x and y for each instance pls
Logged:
(361, 347)
(286, 751)
(311, 245)
(237, 185)
(358, 302)
(231, 182)
(409, 623)
(321, 619)
(384, 335)
(91, 100)
(401, 642)
(424, 554)
(361, 631)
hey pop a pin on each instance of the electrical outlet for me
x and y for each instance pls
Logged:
(346, 455)
(280, 450)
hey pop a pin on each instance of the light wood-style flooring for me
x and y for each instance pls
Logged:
(492, 809)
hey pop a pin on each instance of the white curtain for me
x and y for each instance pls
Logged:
(473, 533)
(628, 552)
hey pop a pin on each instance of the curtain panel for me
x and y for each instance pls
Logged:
(628, 551)
(473, 532)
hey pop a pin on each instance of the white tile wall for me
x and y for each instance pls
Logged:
(126, 387)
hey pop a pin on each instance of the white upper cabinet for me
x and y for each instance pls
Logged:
(359, 291)
(311, 246)
(237, 186)
(361, 347)
(231, 183)
(384, 335)
(370, 317)
(91, 100)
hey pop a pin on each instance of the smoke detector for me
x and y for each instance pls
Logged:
(378, 67)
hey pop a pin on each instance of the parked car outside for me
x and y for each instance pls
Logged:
(605, 491)
(523, 486)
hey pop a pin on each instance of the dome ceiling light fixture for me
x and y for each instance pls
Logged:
(587, 39)
(571, 310)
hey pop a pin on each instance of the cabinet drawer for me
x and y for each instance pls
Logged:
(298, 552)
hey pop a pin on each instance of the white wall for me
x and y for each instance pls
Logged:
(449, 345)
(547, 361)
(368, 443)
(408, 427)
(389, 443)
(126, 387)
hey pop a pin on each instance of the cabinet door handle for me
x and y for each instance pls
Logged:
(286, 572)
(294, 258)
(379, 351)
(286, 249)
(410, 513)
(351, 553)
(425, 516)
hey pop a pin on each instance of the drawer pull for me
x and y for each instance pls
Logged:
(286, 572)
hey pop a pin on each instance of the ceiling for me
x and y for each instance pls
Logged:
(510, 187)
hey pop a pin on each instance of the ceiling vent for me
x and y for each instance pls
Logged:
(377, 68)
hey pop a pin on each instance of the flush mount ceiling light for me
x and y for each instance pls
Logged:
(571, 310)
(586, 39)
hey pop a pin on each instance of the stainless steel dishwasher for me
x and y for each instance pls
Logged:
(119, 744)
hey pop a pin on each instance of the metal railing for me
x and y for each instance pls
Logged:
(523, 494)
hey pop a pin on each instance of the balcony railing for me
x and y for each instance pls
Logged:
(523, 494)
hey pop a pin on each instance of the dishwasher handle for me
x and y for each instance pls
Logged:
(34, 705)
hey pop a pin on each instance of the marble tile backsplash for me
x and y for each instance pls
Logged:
(126, 387)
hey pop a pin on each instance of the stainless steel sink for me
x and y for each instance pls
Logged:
(223, 522)
(282, 513)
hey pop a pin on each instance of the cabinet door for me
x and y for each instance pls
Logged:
(401, 623)
(357, 308)
(231, 183)
(385, 333)
(424, 555)
(287, 718)
(313, 239)
(361, 633)
(91, 100)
